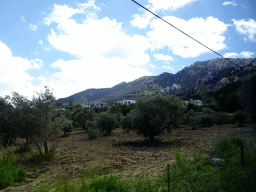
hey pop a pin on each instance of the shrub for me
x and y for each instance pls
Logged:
(224, 119)
(91, 129)
(126, 123)
(107, 183)
(208, 118)
(192, 106)
(24, 148)
(239, 117)
(193, 118)
(67, 127)
(185, 120)
(106, 122)
(8, 174)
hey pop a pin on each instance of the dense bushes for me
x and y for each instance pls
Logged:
(91, 129)
(223, 118)
(8, 174)
(206, 118)
(106, 122)
(239, 117)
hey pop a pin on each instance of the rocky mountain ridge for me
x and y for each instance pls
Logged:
(216, 73)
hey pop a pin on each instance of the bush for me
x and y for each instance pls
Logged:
(192, 106)
(225, 119)
(91, 129)
(106, 122)
(239, 117)
(8, 174)
(126, 123)
(208, 118)
(193, 118)
(185, 120)
(67, 127)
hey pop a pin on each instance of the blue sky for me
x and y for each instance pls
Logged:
(72, 46)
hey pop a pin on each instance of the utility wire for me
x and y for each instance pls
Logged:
(184, 33)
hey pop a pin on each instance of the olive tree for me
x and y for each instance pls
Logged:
(42, 111)
(153, 115)
(8, 130)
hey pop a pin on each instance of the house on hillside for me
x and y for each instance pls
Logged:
(127, 102)
(99, 103)
(195, 102)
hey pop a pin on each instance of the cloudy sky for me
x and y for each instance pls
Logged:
(72, 46)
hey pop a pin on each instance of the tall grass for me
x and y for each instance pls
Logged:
(8, 174)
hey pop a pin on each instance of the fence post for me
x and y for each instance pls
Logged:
(242, 155)
(168, 177)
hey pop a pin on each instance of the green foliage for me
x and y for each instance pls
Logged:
(239, 117)
(91, 129)
(106, 122)
(8, 174)
(24, 148)
(82, 117)
(203, 93)
(233, 176)
(224, 119)
(126, 123)
(208, 118)
(193, 118)
(107, 183)
(37, 157)
(247, 96)
(8, 125)
(153, 115)
(192, 106)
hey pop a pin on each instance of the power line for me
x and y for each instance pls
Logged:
(184, 33)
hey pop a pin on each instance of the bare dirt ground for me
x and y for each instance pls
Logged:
(121, 153)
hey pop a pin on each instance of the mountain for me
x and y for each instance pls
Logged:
(216, 73)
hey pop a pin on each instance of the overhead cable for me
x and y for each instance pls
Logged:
(185, 33)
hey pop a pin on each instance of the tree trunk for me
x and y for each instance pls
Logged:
(26, 141)
(45, 147)
(38, 147)
(151, 139)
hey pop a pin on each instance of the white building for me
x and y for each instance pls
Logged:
(195, 102)
(127, 102)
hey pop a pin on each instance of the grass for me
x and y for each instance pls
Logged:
(8, 173)
(187, 174)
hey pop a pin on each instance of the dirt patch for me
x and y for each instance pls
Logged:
(122, 153)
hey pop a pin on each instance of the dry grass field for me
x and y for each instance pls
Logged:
(123, 154)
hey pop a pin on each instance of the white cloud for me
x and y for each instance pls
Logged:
(22, 18)
(36, 63)
(142, 21)
(243, 54)
(151, 65)
(247, 28)
(107, 56)
(229, 3)
(168, 5)
(13, 73)
(41, 42)
(245, 39)
(32, 27)
(163, 57)
(168, 67)
(209, 31)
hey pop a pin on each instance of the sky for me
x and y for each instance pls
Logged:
(71, 46)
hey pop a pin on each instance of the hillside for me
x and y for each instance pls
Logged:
(216, 73)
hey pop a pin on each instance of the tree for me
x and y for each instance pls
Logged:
(8, 130)
(24, 118)
(247, 96)
(42, 110)
(153, 115)
(62, 123)
(203, 93)
(106, 122)
(70, 104)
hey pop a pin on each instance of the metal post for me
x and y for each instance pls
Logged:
(168, 177)
(242, 155)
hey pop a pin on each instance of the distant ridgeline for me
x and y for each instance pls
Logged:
(216, 74)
